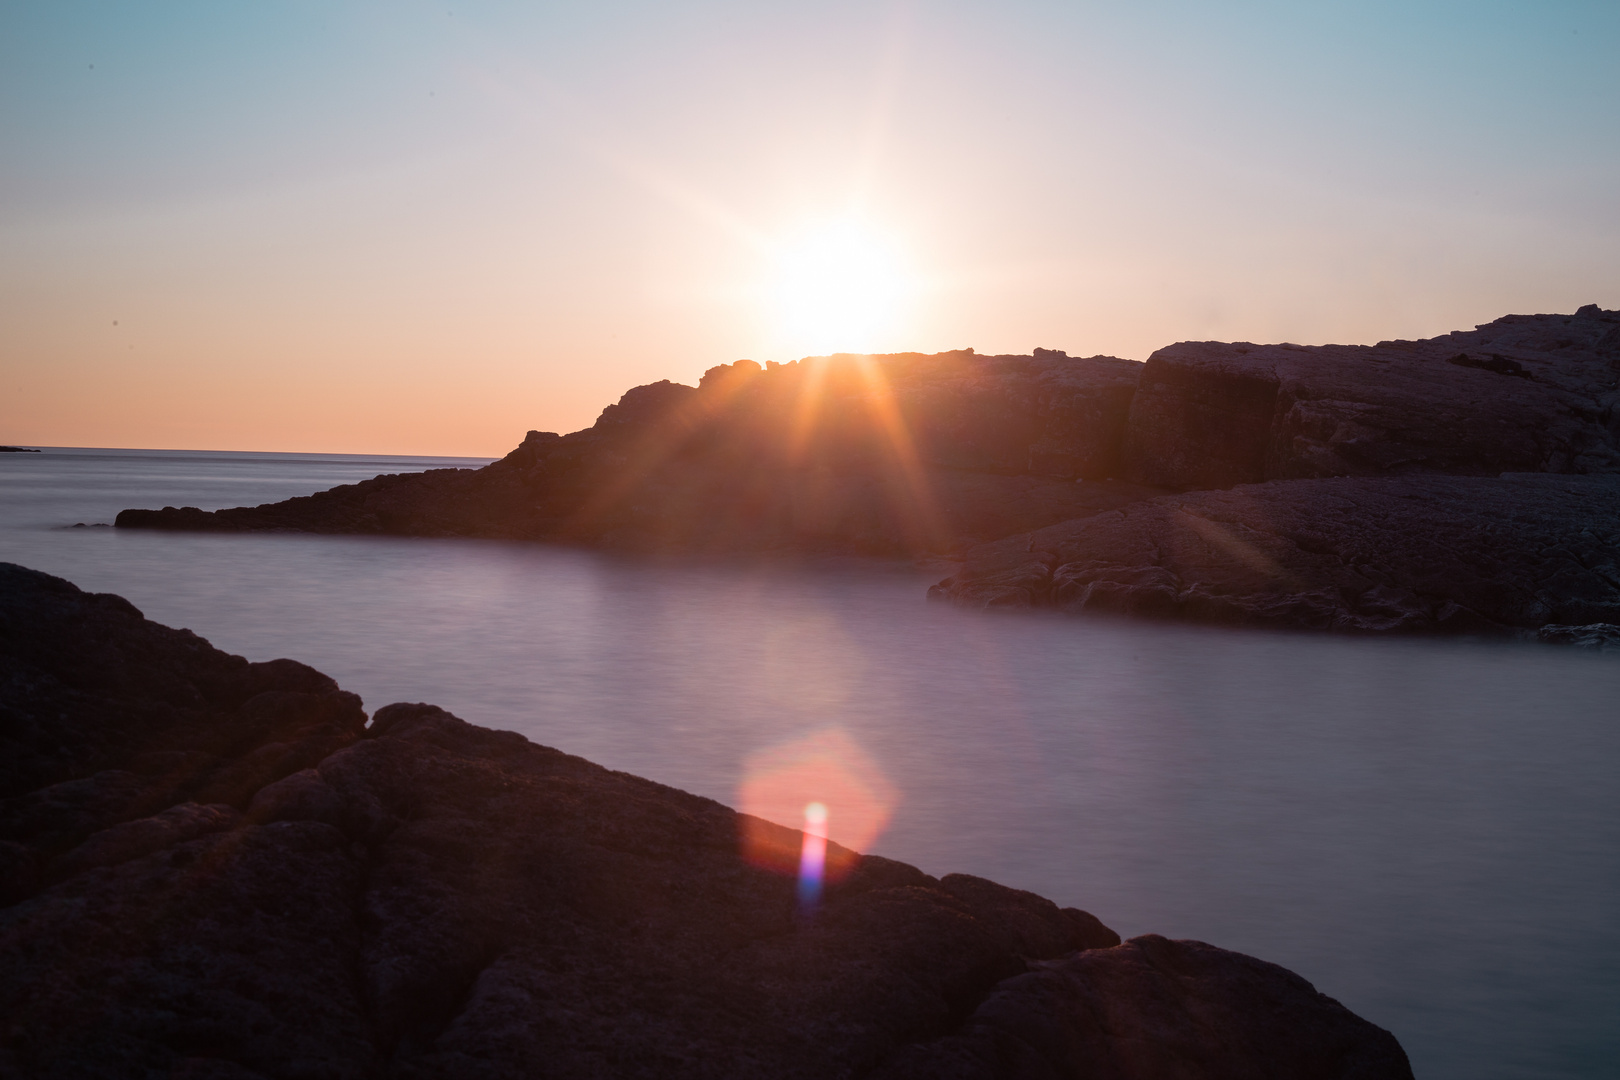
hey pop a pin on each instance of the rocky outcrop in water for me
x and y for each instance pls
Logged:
(219, 869)
(1445, 496)
(950, 454)
(1365, 554)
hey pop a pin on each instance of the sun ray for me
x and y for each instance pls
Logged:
(916, 495)
(806, 411)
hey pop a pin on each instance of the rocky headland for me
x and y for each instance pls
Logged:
(1468, 482)
(219, 869)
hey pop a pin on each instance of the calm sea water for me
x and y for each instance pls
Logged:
(1428, 831)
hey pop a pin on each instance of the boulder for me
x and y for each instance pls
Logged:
(1173, 1010)
(92, 687)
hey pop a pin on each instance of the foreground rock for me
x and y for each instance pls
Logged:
(1403, 554)
(1151, 1008)
(215, 869)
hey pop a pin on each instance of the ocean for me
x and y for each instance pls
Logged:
(1428, 831)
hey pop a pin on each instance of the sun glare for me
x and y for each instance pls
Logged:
(839, 287)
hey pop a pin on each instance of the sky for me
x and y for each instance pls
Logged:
(427, 228)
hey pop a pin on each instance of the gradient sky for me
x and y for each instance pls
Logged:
(415, 228)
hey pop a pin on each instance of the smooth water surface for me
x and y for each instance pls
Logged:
(1429, 831)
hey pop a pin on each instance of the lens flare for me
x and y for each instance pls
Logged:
(813, 856)
(826, 784)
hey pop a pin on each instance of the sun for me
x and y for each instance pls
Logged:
(839, 286)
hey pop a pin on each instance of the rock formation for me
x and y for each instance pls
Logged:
(212, 868)
(1109, 464)
(1443, 498)
(1526, 393)
(1365, 554)
(904, 454)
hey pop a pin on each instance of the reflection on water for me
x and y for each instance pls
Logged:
(1429, 831)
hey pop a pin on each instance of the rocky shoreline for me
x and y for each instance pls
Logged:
(1408, 554)
(1464, 483)
(223, 869)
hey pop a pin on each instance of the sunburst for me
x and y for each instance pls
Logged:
(840, 286)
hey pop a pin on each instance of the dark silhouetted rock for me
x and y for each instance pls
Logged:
(1526, 393)
(926, 454)
(1172, 1010)
(904, 454)
(917, 455)
(92, 686)
(1414, 554)
(1604, 637)
(434, 899)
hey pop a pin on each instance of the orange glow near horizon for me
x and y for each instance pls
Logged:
(312, 228)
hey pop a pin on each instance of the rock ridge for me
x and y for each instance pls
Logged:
(949, 455)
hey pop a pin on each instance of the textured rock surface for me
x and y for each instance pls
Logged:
(432, 899)
(91, 686)
(1416, 554)
(1526, 393)
(1153, 1007)
(1603, 637)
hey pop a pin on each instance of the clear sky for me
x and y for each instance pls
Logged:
(426, 228)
